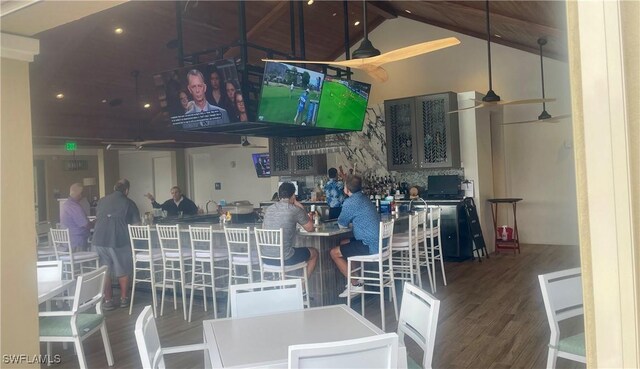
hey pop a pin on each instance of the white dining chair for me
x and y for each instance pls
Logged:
(562, 296)
(174, 264)
(72, 259)
(147, 263)
(269, 242)
(406, 264)
(379, 351)
(78, 324)
(210, 264)
(242, 257)
(43, 241)
(379, 276)
(148, 340)
(266, 297)
(419, 321)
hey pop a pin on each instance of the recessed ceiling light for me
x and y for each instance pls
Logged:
(408, 11)
(498, 36)
(356, 23)
(147, 106)
(309, 2)
(60, 96)
(104, 101)
(334, 14)
(118, 31)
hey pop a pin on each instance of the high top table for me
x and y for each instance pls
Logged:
(263, 341)
(500, 244)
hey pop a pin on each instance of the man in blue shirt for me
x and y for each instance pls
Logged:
(302, 101)
(334, 192)
(361, 213)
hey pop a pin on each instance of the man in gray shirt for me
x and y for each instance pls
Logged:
(111, 239)
(285, 214)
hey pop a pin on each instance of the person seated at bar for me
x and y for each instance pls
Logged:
(74, 218)
(285, 214)
(358, 211)
(334, 192)
(178, 203)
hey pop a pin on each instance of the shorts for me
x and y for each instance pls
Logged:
(354, 248)
(300, 254)
(118, 260)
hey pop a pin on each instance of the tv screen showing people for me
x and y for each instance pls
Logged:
(202, 96)
(343, 104)
(290, 94)
(262, 164)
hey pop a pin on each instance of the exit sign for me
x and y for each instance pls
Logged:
(71, 146)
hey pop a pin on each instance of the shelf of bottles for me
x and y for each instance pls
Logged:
(318, 145)
(379, 187)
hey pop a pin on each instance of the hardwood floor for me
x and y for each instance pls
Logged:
(491, 316)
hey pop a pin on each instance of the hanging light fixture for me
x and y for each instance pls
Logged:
(366, 49)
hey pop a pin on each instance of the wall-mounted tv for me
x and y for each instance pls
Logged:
(290, 95)
(343, 104)
(262, 163)
(202, 96)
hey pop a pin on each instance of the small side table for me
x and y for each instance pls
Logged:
(500, 244)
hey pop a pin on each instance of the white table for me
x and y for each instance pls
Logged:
(49, 289)
(264, 341)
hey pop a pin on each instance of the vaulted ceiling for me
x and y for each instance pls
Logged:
(93, 66)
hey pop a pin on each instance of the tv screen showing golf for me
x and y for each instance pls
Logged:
(290, 95)
(343, 104)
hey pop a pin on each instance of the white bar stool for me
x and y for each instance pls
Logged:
(145, 260)
(174, 260)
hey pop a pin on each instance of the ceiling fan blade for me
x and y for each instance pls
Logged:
(526, 101)
(123, 147)
(377, 73)
(549, 120)
(153, 142)
(481, 105)
(413, 50)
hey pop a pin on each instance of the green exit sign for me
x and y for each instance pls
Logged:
(71, 146)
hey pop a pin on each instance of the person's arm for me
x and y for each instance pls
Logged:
(154, 203)
(190, 207)
(304, 219)
(133, 216)
(345, 217)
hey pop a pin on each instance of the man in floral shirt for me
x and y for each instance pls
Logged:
(334, 192)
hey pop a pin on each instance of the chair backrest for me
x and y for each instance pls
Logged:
(140, 238)
(238, 242)
(270, 241)
(42, 233)
(89, 290)
(419, 320)
(148, 340)
(201, 238)
(379, 351)
(434, 216)
(562, 295)
(265, 298)
(60, 242)
(49, 271)
(414, 221)
(169, 237)
(386, 238)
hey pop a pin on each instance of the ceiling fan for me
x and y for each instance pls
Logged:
(138, 143)
(544, 117)
(370, 60)
(491, 98)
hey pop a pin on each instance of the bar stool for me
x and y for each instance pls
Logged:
(422, 255)
(406, 264)
(174, 260)
(241, 256)
(381, 277)
(434, 249)
(145, 260)
(206, 261)
(70, 259)
(271, 239)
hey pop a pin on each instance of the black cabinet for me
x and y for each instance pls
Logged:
(285, 164)
(421, 133)
(456, 241)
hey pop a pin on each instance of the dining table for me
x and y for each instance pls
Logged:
(50, 289)
(263, 341)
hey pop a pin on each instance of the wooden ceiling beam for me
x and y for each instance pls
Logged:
(483, 36)
(383, 9)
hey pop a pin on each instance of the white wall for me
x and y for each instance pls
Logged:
(233, 168)
(538, 158)
(137, 167)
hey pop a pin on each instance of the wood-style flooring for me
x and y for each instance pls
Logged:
(491, 316)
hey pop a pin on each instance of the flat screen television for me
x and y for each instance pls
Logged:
(443, 186)
(262, 163)
(290, 95)
(201, 96)
(343, 104)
